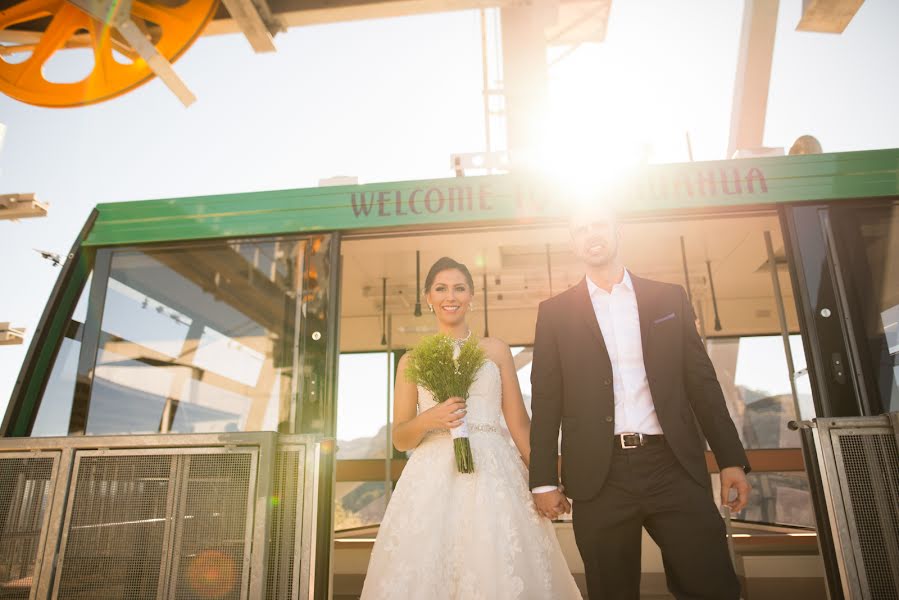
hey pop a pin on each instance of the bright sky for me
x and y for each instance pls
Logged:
(392, 99)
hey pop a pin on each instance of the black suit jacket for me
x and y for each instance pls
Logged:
(571, 387)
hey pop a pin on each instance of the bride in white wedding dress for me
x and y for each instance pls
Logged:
(453, 536)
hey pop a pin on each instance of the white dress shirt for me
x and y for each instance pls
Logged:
(619, 321)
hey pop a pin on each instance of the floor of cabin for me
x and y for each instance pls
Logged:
(774, 563)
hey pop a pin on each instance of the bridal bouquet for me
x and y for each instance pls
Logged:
(447, 370)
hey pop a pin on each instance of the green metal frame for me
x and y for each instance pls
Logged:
(48, 336)
(718, 185)
(658, 190)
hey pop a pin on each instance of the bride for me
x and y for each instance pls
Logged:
(449, 535)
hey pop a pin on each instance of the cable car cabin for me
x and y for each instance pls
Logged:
(205, 406)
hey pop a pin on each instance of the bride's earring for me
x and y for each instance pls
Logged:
(471, 306)
(430, 307)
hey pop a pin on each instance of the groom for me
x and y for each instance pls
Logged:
(618, 364)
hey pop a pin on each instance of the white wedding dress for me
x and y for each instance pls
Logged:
(453, 536)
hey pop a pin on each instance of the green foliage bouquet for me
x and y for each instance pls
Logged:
(447, 370)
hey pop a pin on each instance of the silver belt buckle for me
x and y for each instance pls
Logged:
(626, 446)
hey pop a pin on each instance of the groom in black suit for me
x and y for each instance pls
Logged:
(619, 366)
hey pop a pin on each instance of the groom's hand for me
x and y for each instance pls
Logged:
(734, 478)
(552, 504)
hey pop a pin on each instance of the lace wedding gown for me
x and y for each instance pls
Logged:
(453, 536)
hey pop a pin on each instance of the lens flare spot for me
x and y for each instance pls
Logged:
(212, 574)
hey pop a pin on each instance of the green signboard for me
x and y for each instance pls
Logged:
(718, 185)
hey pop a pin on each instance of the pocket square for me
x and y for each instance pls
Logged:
(663, 319)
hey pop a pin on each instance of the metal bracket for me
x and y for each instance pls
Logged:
(21, 206)
(117, 13)
(10, 336)
(257, 23)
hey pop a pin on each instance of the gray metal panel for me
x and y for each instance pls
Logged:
(285, 526)
(158, 523)
(159, 516)
(322, 450)
(868, 463)
(27, 482)
(293, 527)
(113, 536)
(861, 461)
(263, 498)
(213, 549)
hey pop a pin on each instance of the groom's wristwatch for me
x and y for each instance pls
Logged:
(746, 468)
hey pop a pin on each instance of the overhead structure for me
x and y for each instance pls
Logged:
(527, 33)
(21, 206)
(10, 336)
(827, 16)
(257, 23)
(753, 76)
(130, 43)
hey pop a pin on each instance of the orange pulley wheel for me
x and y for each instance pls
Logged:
(37, 29)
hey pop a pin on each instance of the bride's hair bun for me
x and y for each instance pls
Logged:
(445, 264)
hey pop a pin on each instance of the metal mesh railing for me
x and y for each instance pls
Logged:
(194, 516)
(283, 529)
(115, 540)
(25, 489)
(870, 463)
(215, 529)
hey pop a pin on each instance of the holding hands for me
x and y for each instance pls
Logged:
(734, 478)
(551, 504)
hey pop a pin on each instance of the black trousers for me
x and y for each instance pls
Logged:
(647, 487)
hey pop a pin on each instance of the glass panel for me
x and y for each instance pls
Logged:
(879, 231)
(523, 359)
(804, 393)
(53, 412)
(362, 404)
(359, 504)
(201, 338)
(780, 498)
(753, 376)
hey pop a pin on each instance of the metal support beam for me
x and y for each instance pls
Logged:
(747, 125)
(579, 22)
(827, 16)
(21, 206)
(10, 336)
(525, 74)
(297, 13)
(117, 13)
(256, 21)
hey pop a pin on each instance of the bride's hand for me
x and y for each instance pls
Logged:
(446, 415)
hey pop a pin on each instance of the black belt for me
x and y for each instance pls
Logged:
(629, 441)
